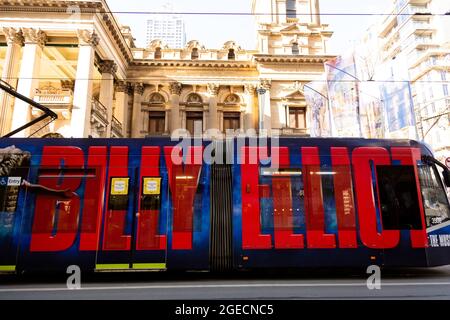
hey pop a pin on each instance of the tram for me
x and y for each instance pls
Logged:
(237, 204)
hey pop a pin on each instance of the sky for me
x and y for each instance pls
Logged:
(214, 30)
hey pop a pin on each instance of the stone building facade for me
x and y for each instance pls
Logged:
(75, 57)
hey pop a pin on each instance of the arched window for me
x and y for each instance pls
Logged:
(295, 49)
(194, 54)
(157, 115)
(194, 117)
(291, 9)
(158, 53)
(231, 54)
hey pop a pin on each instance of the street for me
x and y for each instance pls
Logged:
(395, 284)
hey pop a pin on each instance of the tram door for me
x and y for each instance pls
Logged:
(14, 169)
(10, 221)
(134, 221)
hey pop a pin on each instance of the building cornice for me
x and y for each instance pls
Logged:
(267, 58)
(58, 6)
(193, 64)
(118, 37)
(48, 5)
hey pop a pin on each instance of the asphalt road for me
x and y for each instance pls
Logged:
(395, 284)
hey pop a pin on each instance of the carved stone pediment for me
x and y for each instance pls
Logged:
(157, 99)
(194, 99)
(232, 99)
(157, 43)
(194, 44)
(231, 45)
(295, 28)
(296, 95)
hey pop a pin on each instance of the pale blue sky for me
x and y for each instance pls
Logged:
(213, 31)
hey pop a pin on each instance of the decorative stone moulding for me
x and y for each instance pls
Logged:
(175, 88)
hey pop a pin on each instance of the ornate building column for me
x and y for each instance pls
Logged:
(108, 69)
(136, 120)
(175, 92)
(264, 41)
(29, 76)
(265, 109)
(82, 99)
(213, 91)
(10, 72)
(315, 12)
(281, 11)
(249, 116)
(146, 125)
(123, 91)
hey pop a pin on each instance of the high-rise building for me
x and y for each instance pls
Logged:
(169, 28)
(414, 38)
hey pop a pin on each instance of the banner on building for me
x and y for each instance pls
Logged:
(316, 95)
(371, 110)
(343, 96)
(399, 109)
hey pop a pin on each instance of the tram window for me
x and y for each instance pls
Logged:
(150, 202)
(398, 198)
(281, 199)
(435, 200)
(9, 195)
(118, 198)
(151, 193)
(119, 203)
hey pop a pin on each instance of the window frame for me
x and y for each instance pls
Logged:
(155, 116)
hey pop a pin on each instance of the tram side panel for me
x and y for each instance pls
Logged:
(84, 204)
(322, 207)
(326, 203)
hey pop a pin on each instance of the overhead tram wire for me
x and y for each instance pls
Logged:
(68, 10)
(145, 79)
(319, 80)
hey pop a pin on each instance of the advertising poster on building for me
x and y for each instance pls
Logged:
(371, 110)
(343, 96)
(316, 99)
(399, 109)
